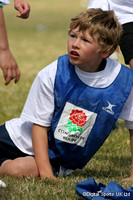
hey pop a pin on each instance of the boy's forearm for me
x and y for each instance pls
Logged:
(40, 145)
(7, 62)
(3, 34)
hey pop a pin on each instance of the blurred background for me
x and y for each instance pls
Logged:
(35, 42)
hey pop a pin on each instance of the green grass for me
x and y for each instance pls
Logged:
(111, 162)
(33, 50)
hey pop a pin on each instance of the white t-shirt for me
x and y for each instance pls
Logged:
(5, 2)
(122, 8)
(39, 105)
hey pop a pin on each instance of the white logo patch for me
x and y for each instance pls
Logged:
(75, 125)
(109, 108)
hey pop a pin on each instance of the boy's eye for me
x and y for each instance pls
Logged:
(72, 35)
(85, 40)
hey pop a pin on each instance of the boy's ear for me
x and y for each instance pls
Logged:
(105, 54)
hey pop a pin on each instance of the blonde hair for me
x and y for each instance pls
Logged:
(102, 25)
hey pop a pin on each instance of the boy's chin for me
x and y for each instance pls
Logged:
(73, 62)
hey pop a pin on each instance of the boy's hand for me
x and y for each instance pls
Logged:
(49, 177)
(23, 8)
(131, 176)
(46, 171)
(127, 179)
(9, 67)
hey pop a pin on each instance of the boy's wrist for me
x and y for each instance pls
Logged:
(4, 50)
(4, 46)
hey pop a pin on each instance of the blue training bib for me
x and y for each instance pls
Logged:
(91, 190)
(84, 116)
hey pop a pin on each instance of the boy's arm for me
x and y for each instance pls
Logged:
(23, 7)
(131, 171)
(7, 61)
(40, 146)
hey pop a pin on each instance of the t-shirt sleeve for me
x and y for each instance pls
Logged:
(39, 106)
(5, 2)
(103, 4)
(129, 124)
(127, 112)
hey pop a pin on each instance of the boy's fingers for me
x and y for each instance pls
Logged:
(7, 75)
(17, 76)
(24, 16)
(127, 179)
(10, 74)
(24, 10)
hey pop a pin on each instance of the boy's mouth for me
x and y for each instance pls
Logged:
(74, 54)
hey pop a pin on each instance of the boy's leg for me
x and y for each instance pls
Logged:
(19, 167)
(126, 43)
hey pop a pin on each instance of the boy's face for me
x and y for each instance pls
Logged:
(82, 50)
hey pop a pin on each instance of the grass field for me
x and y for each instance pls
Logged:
(35, 43)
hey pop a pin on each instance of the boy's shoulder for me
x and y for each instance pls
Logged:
(49, 70)
(112, 64)
(127, 70)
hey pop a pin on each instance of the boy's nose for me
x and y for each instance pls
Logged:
(76, 43)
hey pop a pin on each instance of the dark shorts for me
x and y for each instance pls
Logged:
(8, 149)
(126, 42)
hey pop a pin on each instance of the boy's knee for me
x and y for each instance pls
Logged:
(25, 167)
(19, 167)
(11, 167)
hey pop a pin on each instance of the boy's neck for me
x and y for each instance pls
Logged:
(102, 65)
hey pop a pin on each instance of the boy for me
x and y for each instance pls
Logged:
(73, 103)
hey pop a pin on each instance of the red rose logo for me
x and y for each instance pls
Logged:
(78, 117)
